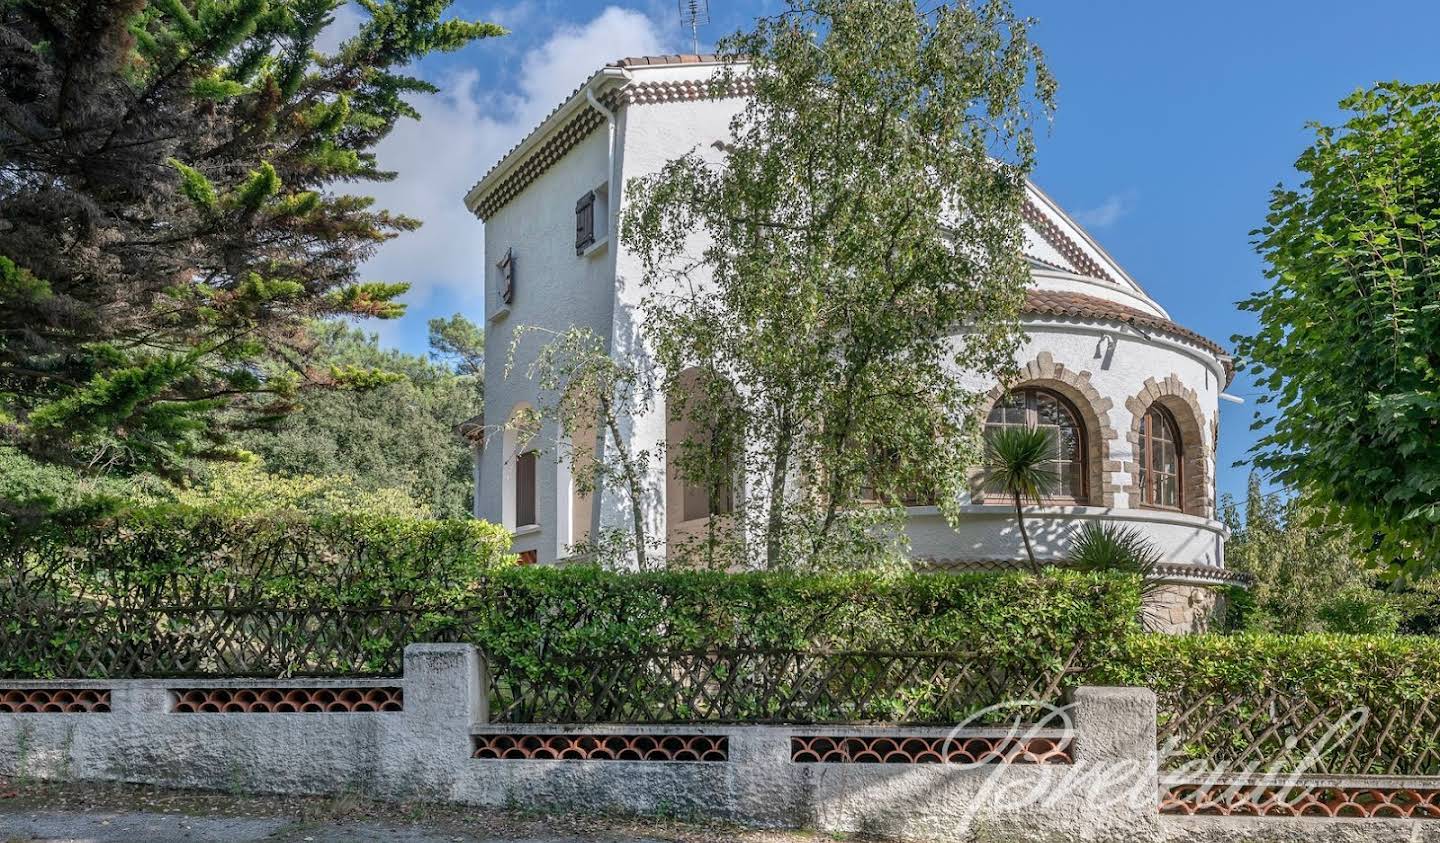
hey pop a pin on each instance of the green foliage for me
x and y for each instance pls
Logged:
(1103, 546)
(1360, 611)
(460, 343)
(1349, 338)
(868, 203)
(192, 156)
(182, 558)
(1297, 562)
(131, 593)
(391, 432)
(246, 488)
(1238, 676)
(1019, 462)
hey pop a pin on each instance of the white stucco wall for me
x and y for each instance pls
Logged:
(556, 289)
(652, 135)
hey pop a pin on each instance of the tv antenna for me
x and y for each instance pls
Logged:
(694, 14)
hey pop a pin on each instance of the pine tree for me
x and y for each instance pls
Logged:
(170, 216)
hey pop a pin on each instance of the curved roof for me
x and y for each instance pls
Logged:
(1080, 306)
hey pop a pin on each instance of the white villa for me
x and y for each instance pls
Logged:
(1132, 394)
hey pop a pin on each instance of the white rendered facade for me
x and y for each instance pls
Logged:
(1094, 338)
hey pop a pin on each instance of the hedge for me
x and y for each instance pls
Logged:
(585, 645)
(1267, 701)
(178, 591)
(174, 592)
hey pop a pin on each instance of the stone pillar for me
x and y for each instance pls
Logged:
(1117, 777)
(446, 685)
(445, 699)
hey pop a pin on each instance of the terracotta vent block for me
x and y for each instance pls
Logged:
(603, 747)
(55, 701)
(285, 700)
(903, 749)
(1301, 801)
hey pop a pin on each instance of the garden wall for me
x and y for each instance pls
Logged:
(426, 736)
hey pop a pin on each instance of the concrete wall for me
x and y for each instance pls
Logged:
(424, 752)
(1108, 792)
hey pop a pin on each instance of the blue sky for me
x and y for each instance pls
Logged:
(1174, 122)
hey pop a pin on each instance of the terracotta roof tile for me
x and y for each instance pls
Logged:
(678, 58)
(1081, 306)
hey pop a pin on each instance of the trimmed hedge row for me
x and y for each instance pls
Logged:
(177, 591)
(1357, 704)
(182, 593)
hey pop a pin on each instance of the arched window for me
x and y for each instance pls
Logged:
(1044, 409)
(1159, 459)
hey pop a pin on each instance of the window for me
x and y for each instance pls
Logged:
(585, 222)
(525, 465)
(1044, 409)
(1159, 459)
(698, 498)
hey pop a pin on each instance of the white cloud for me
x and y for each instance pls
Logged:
(463, 131)
(1107, 213)
(347, 22)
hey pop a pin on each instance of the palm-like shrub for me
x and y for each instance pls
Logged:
(1020, 461)
(1112, 547)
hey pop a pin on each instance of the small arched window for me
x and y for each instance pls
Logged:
(1042, 408)
(1159, 459)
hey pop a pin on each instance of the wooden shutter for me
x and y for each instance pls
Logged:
(507, 277)
(525, 489)
(584, 222)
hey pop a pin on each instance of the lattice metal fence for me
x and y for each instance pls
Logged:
(1285, 731)
(780, 686)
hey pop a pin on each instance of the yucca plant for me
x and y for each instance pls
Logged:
(1019, 461)
(1112, 547)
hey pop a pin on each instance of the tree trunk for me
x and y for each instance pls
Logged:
(776, 522)
(627, 465)
(1029, 552)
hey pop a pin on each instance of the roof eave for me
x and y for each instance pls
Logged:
(605, 77)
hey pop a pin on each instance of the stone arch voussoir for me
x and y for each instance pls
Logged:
(1198, 491)
(1045, 373)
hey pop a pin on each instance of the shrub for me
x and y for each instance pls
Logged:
(175, 590)
(1238, 699)
(166, 592)
(789, 647)
(1360, 611)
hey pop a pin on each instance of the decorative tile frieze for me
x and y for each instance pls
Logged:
(285, 700)
(602, 747)
(912, 749)
(1301, 801)
(55, 701)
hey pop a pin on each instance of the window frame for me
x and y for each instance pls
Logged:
(1032, 420)
(1146, 477)
(533, 459)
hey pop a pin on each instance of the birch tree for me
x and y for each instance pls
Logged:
(859, 244)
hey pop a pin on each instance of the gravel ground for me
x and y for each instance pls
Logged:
(111, 813)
